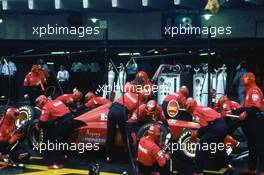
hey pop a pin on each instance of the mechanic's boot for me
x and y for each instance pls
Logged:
(23, 156)
(247, 172)
(56, 166)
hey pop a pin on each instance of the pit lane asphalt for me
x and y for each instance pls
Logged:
(77, 164)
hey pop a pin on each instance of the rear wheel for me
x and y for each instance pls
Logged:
(188, 148)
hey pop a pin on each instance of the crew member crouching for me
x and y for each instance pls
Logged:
(57, 119)
(71, 100)
(214, 129)
(224, 105)
(8, 137)
(151, 158)
(93, 101)
(148, 112)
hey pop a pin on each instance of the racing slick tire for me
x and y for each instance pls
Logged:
(186, 148)
(144, 129)
(27, 113)
(35, 136)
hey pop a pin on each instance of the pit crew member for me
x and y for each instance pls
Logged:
(9, 135)
(93, 101)
(214, 129)
(71, 100)
(148, 112)
(224, 105)
(118, 115)
(254, 123)
(34, 84)
(56, 119)
(151, 158)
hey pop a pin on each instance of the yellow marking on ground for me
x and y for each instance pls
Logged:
(36, 158)
(221, 171)
(43, 170)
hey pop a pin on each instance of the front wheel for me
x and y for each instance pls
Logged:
(35, 136)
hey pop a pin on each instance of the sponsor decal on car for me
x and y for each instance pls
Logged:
(173, 108)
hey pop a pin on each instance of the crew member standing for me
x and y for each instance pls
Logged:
(63, 78)
(118, 115)
(56, 118)
(34, 84)
(151, 159)
(254, 124)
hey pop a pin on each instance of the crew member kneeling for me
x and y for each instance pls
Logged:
(56, 118)
(8, 137)
(151, 158)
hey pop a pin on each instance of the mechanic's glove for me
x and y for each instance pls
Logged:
(228, 112)
(14, 138)
(167, 156)
(26, 96)
(243, 116)
(194, 136)
(37, 127)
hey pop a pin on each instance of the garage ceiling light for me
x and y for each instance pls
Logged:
(94, 20)
(207, 16)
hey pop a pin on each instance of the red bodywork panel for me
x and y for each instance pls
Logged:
(94, 129)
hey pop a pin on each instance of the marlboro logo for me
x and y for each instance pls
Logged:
(173, 108)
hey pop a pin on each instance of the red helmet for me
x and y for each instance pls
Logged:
(248, 79)
(141, 77)
(77, 95)
(154, 132)
(130, 87)
(151, 106)
(89, 95)
(41, 101)
(190, 105)
(184, 91)
(11, 114)
(35, 68)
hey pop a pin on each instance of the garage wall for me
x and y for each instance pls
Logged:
(244, 23)
(128, 26)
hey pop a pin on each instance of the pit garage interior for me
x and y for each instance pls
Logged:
(115, 39)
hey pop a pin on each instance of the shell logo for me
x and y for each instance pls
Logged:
(173, 108)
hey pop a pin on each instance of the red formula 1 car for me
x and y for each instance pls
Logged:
(91, 127)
